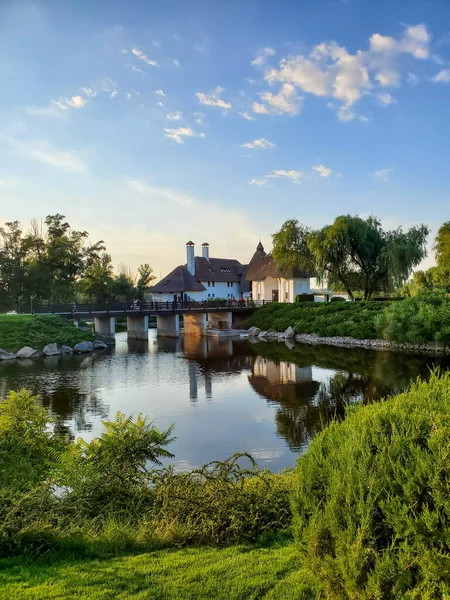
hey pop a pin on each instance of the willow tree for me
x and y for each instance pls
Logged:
(353, 252)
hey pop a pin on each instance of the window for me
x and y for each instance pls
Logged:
(209, 295)
(286, 295)
(225, 270)
(213, 283)
(209, 283)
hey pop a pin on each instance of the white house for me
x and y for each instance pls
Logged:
(270, 284)
(204, 277)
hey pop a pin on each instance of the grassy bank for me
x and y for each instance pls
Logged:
(17, 331)
(235, 573)
(418, 320)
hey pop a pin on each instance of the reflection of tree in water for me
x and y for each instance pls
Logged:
(304, 407)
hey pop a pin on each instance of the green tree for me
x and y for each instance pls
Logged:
(97, 281)
(290, 247)
(12, 265)
(441, 273)
(145, 273)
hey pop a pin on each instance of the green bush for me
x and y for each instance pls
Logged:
(39, 331)
(372, 505)
(338, 299)
(417, 320)
(304, 298)
(351, 319)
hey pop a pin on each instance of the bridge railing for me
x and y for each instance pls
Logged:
(116, 308)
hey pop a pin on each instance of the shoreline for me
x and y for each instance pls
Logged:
(349, 342)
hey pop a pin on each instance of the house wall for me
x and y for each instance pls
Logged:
(262, 290)
(218, 290)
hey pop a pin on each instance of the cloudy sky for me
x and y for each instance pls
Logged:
(150, 123)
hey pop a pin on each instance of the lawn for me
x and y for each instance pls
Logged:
(234, 573)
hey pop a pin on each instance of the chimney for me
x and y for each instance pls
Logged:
(190, 257)
(205, 250)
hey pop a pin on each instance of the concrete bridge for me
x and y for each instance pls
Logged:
(198, 317)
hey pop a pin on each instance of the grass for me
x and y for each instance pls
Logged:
(17, 331)
(234, 573)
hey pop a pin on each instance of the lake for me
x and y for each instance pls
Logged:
(223, 395)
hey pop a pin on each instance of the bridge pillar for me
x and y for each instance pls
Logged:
(195, 324)
(220, 320)
(105, 325)
(168, 325)
(137, 328)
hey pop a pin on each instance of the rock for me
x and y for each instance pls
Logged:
(244, 336)
(27, 352)
(262, 334)
(289, 333)
(99, 345)
(51, 350)
(66, 350)
(4, 355)
(281, 336)
(254, 331)
(272, 335)
(84, 347)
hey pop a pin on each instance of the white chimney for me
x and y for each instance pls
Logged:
(190, 248)
(205, 251)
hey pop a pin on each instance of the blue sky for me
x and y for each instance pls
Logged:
(150, 123)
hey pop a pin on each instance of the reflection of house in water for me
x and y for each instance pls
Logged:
(212, 356)
(283, 381)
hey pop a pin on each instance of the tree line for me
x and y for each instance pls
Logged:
(52, 262)
(353, 254)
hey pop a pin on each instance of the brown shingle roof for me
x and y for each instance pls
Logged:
(179, 280)
(263, 265)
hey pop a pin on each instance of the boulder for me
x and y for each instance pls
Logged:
(254, 331)
(27, 352)
(5, 355)
(262, 334)
(66, 350)
(289, 333)
(51, 350)
(272, 335)
(281, 336)
(84, 347)
(99, 345)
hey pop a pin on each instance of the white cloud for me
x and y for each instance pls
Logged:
(383, 174)
(247, 116)
(144, 57)
(89, 92)
(176, 116)
(386, 99)
(176, 62)
(261, 56)
(160, 104)
(261, 143)
(442, 77)
(295, 176)
(113, 94)
(178, 134)
(285, 102)
(363, 119)
(322, 170)
(137, 69)
(329, 70)
(124, 51)
(260, 182)
(199, 118)
(54, 109)
(76, 101)
(213, 99)
(159, 92)
(42, 151)
(412, 78)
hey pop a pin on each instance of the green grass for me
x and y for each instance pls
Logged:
(17, 331)
(234, 573)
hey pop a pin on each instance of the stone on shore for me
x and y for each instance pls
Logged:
(289, 343)
(27, 352)
(272, 335)
(83, 347)
(254, 331)
(262, 334)
(66, 350)
(289, 333)
(51, 350)
(99, 345)
(5, 355)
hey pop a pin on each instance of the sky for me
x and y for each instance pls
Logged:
(152, 123)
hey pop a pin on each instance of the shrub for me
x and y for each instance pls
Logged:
(337, 299)
(371, 503)
(417, 320)
(304, 298)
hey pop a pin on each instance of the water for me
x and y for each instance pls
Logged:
(222, 395)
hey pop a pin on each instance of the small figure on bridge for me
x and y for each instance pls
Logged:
(74, 307)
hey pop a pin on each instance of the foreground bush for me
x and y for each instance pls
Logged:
(16, 332)
(372, 503)
(417, 320)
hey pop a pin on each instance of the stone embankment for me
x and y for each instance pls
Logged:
(52, 350)
(255, 334)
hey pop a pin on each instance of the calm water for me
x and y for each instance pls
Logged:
(223, 396)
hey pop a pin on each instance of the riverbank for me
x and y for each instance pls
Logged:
(414, 325)
(17, 331)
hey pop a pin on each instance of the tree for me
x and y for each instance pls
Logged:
(12, 265)
(145, 273)
(97, 282)
(442, 253)
(353, 252)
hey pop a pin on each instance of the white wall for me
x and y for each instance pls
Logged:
(262, 290)
(222, 290)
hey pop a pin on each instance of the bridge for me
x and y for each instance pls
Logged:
(197, 316)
